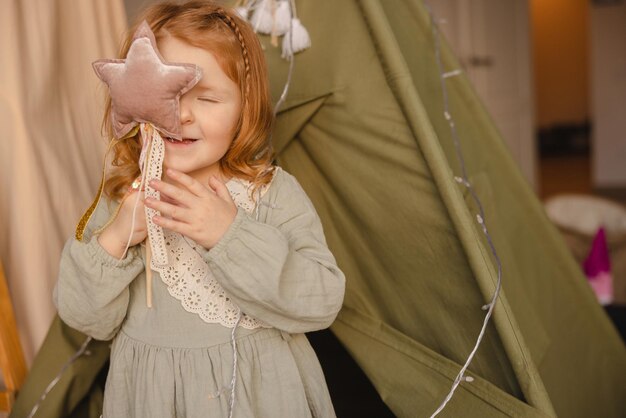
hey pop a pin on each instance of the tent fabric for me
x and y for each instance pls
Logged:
(363, 131)
(79, 392)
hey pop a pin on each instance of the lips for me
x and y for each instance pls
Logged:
(184, 141)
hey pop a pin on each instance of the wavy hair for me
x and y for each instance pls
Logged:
(235, 46)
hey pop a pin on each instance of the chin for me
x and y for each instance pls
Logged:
(191, 168)
(178, 164)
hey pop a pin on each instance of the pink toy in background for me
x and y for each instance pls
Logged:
(597, 267)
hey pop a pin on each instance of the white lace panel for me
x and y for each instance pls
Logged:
(154, 170)
(189, 278)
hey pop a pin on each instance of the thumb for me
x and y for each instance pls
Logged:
(220, 188)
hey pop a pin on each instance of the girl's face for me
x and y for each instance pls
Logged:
(208, 113)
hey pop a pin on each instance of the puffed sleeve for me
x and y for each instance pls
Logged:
(92, 294)
(282, 271)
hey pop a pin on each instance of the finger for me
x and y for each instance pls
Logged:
(220, 188)
(167, 209)
(173, 192)
(171, 224)
(163, 197)
(132, 193)
(132, 200)
(193, 185)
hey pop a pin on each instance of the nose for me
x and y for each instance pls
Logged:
(186, 115)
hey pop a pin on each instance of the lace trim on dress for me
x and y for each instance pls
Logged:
(189, 278)
(156, 154)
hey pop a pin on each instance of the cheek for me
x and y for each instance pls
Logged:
(224, 133)
(218, 126)
(232, 115)
(229, 123)
(220, 123)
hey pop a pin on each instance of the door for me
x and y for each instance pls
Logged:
(492, 41)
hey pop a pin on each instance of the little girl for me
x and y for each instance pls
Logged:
(249, 270)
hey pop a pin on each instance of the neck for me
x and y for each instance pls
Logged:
(202, 175)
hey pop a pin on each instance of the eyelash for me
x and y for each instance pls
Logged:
(208, 99)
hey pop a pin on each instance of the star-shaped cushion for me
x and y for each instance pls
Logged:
(145, 88)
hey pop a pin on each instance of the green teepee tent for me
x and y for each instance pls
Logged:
(363, 130)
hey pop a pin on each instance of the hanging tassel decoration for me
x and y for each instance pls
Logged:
(282, 18)
(243, 12)
(295, 40)
(297, 37)
(262, 20)
(243, 7)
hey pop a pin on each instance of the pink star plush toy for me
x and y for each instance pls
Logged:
(144, 88)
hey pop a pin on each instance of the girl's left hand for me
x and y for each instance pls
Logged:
(201, 213)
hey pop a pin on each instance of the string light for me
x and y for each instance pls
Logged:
(480, 217)
(283, 95)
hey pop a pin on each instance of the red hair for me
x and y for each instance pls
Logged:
(236, 48)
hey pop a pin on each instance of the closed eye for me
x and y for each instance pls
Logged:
(209, 99)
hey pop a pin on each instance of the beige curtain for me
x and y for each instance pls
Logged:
(50, 142)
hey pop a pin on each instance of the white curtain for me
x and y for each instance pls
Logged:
(51, 146)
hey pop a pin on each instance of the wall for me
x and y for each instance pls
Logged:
(134, 7)
(608, 79)
(560, 33)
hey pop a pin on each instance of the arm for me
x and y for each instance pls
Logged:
(281, 272)
(92, 293)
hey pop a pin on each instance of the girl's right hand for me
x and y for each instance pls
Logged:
(114, 237)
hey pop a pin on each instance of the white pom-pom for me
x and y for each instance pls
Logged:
(282, 17)
(262, 20)
(296, 40)
(243, 12)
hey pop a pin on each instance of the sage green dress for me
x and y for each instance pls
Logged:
(168, 362)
